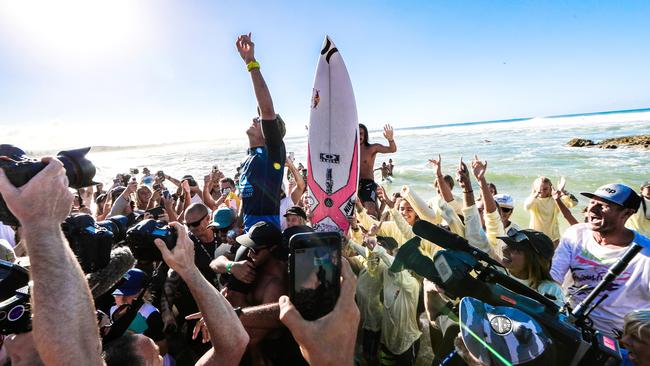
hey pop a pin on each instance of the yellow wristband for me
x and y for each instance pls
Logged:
(252, 65)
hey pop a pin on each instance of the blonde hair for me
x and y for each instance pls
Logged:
(538, 182)
(637, 322)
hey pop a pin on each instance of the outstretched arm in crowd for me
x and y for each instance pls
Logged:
(299, 189)
(479, 168)
(246, 49)
(388, 134)
(445, 190)
(228, 337)
(568, 216)
(329, 340)
(69, 337)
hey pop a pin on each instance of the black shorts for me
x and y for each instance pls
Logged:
(371, 344)
(367, 190)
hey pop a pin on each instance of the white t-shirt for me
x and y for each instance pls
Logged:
(285, 204)
(8, 234)
(588, 262)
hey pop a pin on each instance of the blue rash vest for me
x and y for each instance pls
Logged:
(260, 180)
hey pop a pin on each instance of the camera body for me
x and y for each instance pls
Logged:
(141, 236)
(90, 242)
(20, 168)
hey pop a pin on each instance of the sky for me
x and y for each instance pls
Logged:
(125, 72)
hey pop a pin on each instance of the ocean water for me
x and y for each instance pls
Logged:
(516, 151)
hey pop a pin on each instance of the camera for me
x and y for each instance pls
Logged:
(15, 309)
(20, 168)
(140, 238)
(90, 242)
(117, 225)
(134, 171)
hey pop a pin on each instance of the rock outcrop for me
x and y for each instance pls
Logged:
(638, 141)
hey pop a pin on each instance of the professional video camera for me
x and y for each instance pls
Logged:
(15, 310)
(19, 169)
(464, 271)
(141, 236)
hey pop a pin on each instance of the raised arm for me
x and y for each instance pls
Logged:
(445, 191)
(69, 337)
(298, 190)
(479, 168)
(388, 134)
(246, 49)
(227, 334)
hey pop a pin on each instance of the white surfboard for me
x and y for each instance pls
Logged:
(333, 145)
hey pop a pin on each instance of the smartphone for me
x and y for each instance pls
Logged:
(215, 168)
(291, 156)
(314, 272)
(165, 194)
(160, 174)
(156, 212)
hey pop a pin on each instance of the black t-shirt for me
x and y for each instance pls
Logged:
(204, 255)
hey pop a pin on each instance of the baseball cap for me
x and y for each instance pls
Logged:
(617, 193)
(261, 235)
(222, 218)
(134, 281)
(504, 200)
(535, 240)
(647, 183)
(296, 210)
(510, 333)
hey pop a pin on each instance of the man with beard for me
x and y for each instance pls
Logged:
(589, 249)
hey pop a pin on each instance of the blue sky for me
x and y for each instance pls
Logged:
(132, 71)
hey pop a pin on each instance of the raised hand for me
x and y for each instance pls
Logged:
(388, 132)
(462, 175)
(246, 48)
(437, 165)
(479, 167)
(181, 258)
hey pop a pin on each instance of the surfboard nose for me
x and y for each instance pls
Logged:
(327, 45)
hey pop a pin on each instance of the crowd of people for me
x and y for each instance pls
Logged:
(219, 294)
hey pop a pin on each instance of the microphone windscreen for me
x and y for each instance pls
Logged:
(101, 281)
(439, 236)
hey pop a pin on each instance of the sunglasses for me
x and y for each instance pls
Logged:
(520, 238)
(506, 209)
(196, 223)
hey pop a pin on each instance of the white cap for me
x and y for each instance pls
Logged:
(504, 200)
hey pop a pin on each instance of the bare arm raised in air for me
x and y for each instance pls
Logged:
(227, 334)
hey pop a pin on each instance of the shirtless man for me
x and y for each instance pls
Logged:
(367, 185)
(268, 274)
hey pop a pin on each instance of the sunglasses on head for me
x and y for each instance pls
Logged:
(197, 222)
(520, 238)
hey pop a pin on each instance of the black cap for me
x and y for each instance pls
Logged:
(535, 240)
(296, 210)
(261, 235)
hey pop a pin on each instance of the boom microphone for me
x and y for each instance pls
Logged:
(449, 240)
(103, 280)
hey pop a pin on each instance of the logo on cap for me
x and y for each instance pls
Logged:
(501, 325)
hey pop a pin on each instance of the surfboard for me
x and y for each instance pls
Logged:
(333, 143)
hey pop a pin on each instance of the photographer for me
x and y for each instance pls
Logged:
(67, 337)
(227, 335)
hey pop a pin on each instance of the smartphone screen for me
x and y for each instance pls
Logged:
(315, 271)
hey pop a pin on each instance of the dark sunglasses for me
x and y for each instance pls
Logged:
(521, 239)
(197, 222)
(506, 209)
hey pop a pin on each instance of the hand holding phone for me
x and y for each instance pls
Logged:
(314, 271)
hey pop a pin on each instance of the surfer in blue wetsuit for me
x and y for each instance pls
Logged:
(260, 178)
(367, 186)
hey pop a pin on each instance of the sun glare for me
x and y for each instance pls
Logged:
(73, 31)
